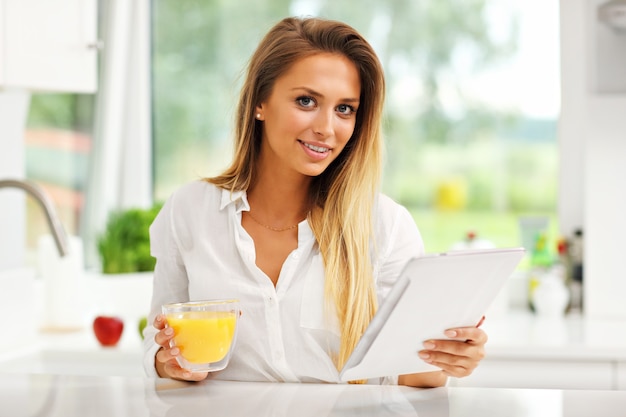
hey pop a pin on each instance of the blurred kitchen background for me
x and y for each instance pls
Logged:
(503, 117)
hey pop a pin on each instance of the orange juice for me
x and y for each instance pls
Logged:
(203, 336)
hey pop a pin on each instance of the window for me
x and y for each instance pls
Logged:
(470, 122)
(471, 110)
(91, 152)
(58, 141)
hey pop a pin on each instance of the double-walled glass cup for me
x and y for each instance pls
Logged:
(204, 331)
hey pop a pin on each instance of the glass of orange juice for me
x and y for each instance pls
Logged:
(204, 331)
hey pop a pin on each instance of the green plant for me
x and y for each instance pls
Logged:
(125, 244)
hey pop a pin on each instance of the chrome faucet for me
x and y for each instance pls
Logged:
(58, 233)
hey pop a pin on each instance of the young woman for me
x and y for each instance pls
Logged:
(296, 228)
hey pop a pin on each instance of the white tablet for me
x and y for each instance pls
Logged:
(433, 293)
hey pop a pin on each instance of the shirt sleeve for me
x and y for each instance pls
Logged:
(170, 283)
(398, 241)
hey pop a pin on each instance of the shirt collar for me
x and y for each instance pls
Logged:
(239, 198)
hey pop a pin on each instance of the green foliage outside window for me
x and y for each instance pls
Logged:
(469, 166)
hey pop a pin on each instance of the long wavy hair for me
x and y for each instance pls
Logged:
(343, 196)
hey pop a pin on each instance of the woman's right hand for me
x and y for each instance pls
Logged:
(165, 360)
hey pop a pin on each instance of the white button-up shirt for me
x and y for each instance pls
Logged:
(286, 333)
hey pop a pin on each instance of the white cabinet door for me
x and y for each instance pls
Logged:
(49, 45)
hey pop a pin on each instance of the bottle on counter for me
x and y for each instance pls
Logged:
(563, 258)
(576, 256)
(551, 296)
(541, 260)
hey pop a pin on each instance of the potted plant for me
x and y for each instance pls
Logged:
(124, 247)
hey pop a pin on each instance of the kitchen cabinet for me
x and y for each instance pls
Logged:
(49, 45)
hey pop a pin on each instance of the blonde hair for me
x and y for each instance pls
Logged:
(343, 196)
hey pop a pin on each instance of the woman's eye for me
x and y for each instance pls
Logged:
(345, 109)
(305, 101)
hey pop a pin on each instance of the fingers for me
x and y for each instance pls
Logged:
(159, 322)
(457, 369)
(174, 371)
(451, 364)
(164, 336)
(468, 334)
(457, 357)
(166, 357)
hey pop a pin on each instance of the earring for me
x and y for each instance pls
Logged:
(258, 116)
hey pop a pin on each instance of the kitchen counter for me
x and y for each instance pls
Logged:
(518, 334)
(76, 353)
(522, 334)
(523, 351)
(529, 351)
(69, 396)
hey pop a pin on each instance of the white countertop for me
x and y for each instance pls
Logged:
(523, 335)
(69, 396)
(524, 351)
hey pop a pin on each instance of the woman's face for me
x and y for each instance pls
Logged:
(310, 114)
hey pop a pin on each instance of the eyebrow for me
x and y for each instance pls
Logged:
(317, 94)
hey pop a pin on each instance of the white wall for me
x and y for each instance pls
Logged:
(592, 138)
(572, 122)
(605, 210)
(13, 112)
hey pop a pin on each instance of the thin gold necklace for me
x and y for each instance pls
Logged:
(274, 229)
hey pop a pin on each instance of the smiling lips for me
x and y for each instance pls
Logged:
(318, 149)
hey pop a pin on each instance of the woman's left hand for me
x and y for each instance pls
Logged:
(457, 358)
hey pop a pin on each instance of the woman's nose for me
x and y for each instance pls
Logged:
(323, 124)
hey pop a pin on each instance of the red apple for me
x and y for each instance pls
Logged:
(108, 330)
